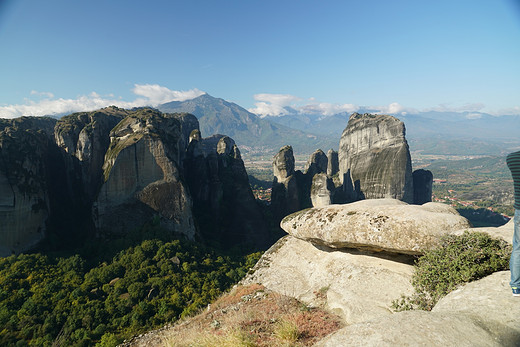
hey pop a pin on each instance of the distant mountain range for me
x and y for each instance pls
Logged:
(254, 135)
(448, 133)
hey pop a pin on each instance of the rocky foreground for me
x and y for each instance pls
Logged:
(359, 285)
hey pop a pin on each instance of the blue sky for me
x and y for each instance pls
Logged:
(323, 56)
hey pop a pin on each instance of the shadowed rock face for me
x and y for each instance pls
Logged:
(112, 170)
(25, 169)
(223, 203)
(422, 186)
(374, 159)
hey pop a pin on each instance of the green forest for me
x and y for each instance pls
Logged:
(109, 291)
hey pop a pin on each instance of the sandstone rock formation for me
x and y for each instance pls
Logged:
(374, 159)
(357, 286)
(376, 224)
(333, 163)
(322, 190)
(465, 317)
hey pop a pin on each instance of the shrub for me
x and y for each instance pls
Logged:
(458, 259)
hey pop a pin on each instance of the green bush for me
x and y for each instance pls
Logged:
(458, 260)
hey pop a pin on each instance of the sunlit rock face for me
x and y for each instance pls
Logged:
(84, 139)
(142, 176)
(374, 159)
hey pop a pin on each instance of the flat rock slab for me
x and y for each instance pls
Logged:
(376, 224)
(353, 285)
(482, 313)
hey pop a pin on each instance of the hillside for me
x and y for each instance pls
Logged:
(254, 135)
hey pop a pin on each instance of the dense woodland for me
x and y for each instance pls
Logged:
(109, 291)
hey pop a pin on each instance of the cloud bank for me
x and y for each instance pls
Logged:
(47, 105)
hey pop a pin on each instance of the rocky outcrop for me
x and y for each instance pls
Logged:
(84, 137)
(333, 163)
(285, 196)
(25, 170)
(374, 159)
(322, 190)
(142, 176)
(357, 286)
(223, 203)
(423, 185)
(465, 317)
(376, 224)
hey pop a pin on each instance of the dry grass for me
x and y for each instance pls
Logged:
(250, 316)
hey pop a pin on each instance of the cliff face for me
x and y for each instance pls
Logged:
(110, 171)
(224, 205)
(374, 159)
(25, 167)
(142, 175)
(84, 138)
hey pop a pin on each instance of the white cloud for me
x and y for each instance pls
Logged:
(393, 108)
(473, 107)
(157, 94)
(327, 109)
(151, 95)
(473, 116)
(284, 104)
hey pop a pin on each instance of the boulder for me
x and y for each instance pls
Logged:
(481, 313)
(377, 224)
(356, 285)
(374, 158)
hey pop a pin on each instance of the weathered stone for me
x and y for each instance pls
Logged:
(504, 232)
(316, 164)
(414, 328)
(376, 224)
(465, 317)
(374, 159)
(25, 170)
(333, 163)
(283, 164)
(477, 299)
(422, 186)
(285, 195)
(357, 286)
(322, 190)
(223, 202)
(142, 176)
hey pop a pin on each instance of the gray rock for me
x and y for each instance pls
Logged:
(333, 164)
(376, 224)
(316, 164)
(142, 176)
(422, 186)
(358, 286)
(286, 194)
(322, 190)
(374, 159)
(481, 313)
